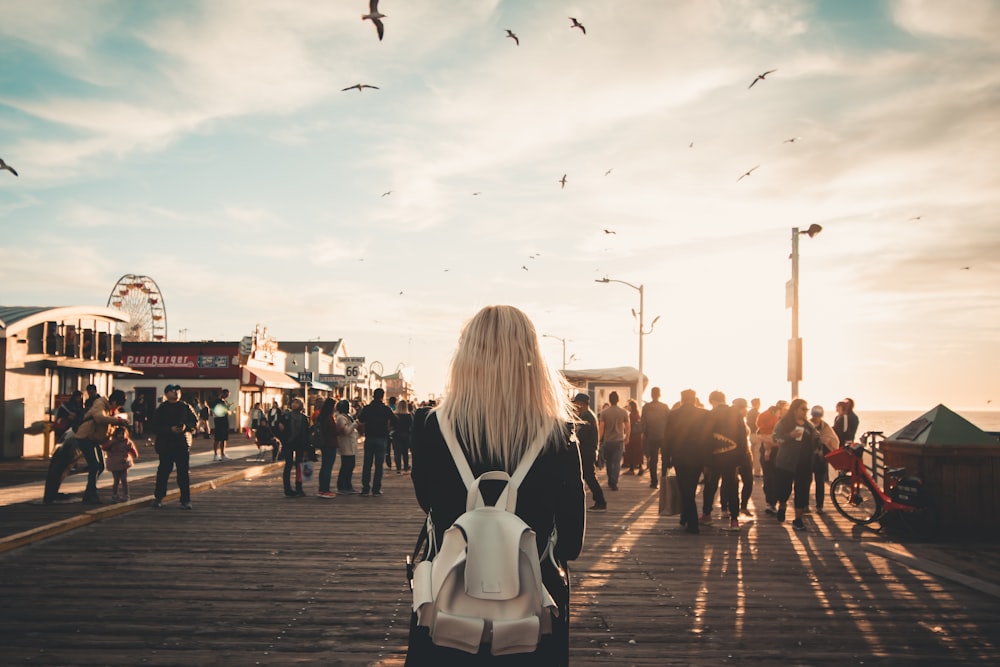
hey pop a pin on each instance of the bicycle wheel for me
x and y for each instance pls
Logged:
(861, 505)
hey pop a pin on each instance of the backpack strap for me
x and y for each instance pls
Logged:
(508, 498)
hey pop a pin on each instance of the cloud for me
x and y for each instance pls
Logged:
(971, 19)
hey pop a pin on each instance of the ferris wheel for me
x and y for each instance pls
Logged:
(139, 297)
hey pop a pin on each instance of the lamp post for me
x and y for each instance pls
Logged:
(792, 301)
(642, 330)
(563, 341)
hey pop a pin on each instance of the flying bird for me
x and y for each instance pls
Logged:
(577, 24)
(790, 141)
(563, 180)
(376, 17)
(476, 194)
(760, 77)
(966, 268)
(607, 173)
(524, 267)
(359, 86)
(691, 145)
(610, 231)
(4, 165)
(746, 174)
(387, 193)
(510, 33)
(916, 217)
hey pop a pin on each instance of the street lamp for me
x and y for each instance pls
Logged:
(381, 372)
(642, 325)
(792, 301)
(563, 341)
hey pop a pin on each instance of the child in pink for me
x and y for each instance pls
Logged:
(122, 454)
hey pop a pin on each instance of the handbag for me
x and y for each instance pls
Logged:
(308, 467)
(670, 496)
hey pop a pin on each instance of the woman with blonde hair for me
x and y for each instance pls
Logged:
(500, 400)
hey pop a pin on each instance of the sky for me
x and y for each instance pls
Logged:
(211, 147)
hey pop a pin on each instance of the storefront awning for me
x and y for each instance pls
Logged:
(267, 377)
(88, 365)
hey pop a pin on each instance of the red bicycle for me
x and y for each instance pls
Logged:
(856, 494)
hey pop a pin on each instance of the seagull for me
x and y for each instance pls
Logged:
(607, 173)
(4, 165)
(376, 17)
(577, 24)
(790, 141)
(916, 217)
(966, 268)
(387, 193)
(524, 267)
(610, 231)
(746, 174)
(359, 86)
(691, 145)
(760, 77)
(511, 34)
(476, 194)
(563, 180)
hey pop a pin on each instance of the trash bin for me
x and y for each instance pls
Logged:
(960, 466)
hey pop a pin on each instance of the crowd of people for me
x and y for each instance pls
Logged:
(504, 407)
(717, 448)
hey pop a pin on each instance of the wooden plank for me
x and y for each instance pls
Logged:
(250, 577)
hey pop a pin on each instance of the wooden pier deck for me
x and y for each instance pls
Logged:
(252, 578)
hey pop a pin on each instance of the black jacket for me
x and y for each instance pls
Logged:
(376, 416)
(173, 414)
(551, 494)
(687, 433)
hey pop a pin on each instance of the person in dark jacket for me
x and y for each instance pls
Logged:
(728, 447)
(377, 418)
(174, 423)
(501, 399)
(586, 436)
(797, 441)
(685, 450)
(294, 442)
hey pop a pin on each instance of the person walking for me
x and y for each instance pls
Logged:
(586, 436)
(97, 426)
(756, 448)
(654, 426)
(121, 455)
(347, 445)
(174, 423)
(633, 446)
(328, 449)
(401, 436)
(728, 447)
(294, 441)
(686, 438)
(139, 415)
(220, 427)
(745, 469)
(797, 439)
(376, 419)
(613, 431)
(502, 400)
(765, 430)
(828, 442)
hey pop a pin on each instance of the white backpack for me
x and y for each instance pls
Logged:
(484, 585)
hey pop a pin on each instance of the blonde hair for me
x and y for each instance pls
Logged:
(501, 394)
